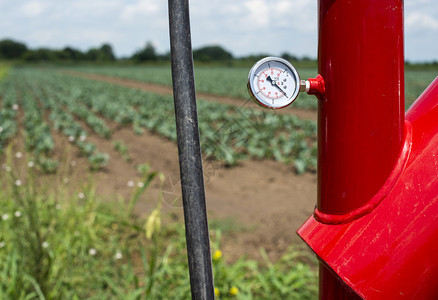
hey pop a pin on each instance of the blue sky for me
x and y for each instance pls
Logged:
(241, 26)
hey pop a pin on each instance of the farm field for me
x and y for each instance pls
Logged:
(72, 128)
(232, 81)
(58, 116)
(222, 81)
(101, 132)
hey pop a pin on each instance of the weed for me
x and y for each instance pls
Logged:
(58, 244)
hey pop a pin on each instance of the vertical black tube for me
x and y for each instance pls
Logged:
(189, 152)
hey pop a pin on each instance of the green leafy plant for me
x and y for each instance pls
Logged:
(120, 147)
(47, 165)
(98, 160)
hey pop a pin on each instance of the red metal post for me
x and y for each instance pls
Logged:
(361, 115)
(361, 118)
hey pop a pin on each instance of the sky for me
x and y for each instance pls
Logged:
(243, 27)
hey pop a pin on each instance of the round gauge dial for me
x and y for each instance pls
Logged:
(273, 82)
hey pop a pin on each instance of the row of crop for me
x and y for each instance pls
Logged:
(231, 81)
(72, 103)
(228, 133)
(223, 81)
(38, 139)
(36, 132)
(37, 106)
(62, 112)
(8, 113)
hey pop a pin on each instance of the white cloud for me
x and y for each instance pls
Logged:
(418, 21)
(140, 9)
(254, 26)
(241, 26)
(33, 8)
(421, 30)
(298, 15)
(258, 13)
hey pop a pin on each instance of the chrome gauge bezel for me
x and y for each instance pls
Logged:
(289, 71)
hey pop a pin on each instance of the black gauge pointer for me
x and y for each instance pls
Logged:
(269, 79)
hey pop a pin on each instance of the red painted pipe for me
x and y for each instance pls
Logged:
(361, 116)
(361, 113)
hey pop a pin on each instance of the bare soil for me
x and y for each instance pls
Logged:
(262, 202)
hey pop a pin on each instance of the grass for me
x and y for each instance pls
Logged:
(4, 68)
(61, 244)
(416, 81)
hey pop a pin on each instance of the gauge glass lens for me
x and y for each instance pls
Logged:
(273, 82)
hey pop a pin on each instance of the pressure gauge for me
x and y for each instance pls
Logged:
(273, 83)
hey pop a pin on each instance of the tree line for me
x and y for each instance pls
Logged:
(14, 50)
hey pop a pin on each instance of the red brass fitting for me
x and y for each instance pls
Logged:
(314, 86)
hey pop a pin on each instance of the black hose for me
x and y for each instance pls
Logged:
(189, 152)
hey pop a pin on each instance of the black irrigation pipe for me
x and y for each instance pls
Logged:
(189, 152)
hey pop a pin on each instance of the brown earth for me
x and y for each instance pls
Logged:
(262, 203)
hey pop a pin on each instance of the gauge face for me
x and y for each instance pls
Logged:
(273, 82)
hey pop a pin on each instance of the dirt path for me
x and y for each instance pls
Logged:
(166, 90)
(263, 202)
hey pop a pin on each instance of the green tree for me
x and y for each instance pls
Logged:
(107, 52)
(41, 54)
(72, 54)
(212, 53)
(289, 57)
(92, 54)
(102, 54)
(10, 49)
(148, 53)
